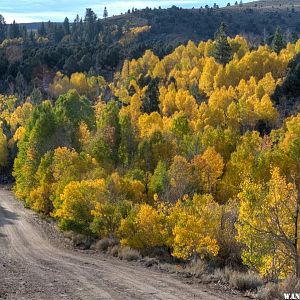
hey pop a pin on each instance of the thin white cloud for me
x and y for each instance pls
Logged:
(33, 17)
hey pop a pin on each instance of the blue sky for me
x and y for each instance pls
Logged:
(57, 10)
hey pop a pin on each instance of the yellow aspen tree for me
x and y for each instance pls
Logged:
(84, 134)
(60, 85)
(297, 46)
(192, 49)
(266, 85)
(232, 74)
(239, 46)
(206, 82)
(148, 124)
(3, 149)
(78, 200)
(20, 116)
(195, 223)
(180, 177)
(266, 111)
(207, 169)
(221, 98)
(209, 48)
(268, 226)
(220, 78)
(79, 82)
(186, 103)
(159, 71)
(148, 62)
(144, 228)
(135, 107)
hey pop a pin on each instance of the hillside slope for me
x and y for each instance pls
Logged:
(255, 19)
(100, 46)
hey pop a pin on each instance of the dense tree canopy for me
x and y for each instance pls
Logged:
(167, 151)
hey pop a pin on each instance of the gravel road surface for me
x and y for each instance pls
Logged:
(32, 267)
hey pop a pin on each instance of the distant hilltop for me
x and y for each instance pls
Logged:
(252, 19)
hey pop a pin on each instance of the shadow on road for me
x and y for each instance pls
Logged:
(6, 217)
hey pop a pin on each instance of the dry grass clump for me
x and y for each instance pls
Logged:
(150, 261)
(106, 243)
(272, 291)
(222, 275)
(171, 268)
(197, 269)
(238, 280)
(269, 292)
(245, 281)
(114, 251)
(290, 285)
(129, 254)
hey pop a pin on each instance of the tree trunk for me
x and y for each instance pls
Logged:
(195, 257)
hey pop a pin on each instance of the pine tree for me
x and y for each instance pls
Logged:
(24, 34)
(89, 22)
(13, 30)
(278, 42)
(105, 13)
(90, 16)
(2, 28)
(66, 26)
(31, 36)
(36, 96)
(151, 98)
(223, 51)
(42, 30)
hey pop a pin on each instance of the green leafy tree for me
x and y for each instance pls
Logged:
(39, 138)
(159, 179)
(106, 141)
(71, 110)
(128, 142)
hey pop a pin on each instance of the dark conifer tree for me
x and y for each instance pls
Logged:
(42, 30)
(90, 21)
(278, 43)
(151, 98)
(2, 28)
(24, 34)
(222, 51)
(105, 13)
(13, 30)
(66, 26)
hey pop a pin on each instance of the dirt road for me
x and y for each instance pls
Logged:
(31, 267)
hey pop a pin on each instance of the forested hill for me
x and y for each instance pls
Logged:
(31, 54)
(255, 19)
